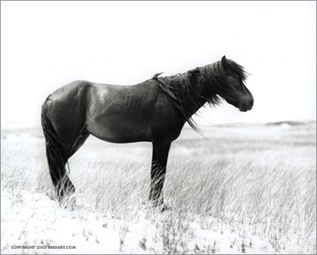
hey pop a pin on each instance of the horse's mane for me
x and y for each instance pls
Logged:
(203, 84)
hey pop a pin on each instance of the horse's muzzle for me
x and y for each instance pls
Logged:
(246, 105)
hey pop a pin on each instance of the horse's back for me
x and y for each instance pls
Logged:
(122, 113)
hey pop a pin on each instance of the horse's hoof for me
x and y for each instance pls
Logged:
(70, 203)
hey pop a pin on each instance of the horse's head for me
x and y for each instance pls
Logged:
(232, 88)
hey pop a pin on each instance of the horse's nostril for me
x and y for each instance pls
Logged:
(243, 107)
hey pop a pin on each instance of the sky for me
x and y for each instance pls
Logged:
(45, 45)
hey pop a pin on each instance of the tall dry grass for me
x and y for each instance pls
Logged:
(256, 179)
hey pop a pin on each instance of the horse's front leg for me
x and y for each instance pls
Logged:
(158, 170)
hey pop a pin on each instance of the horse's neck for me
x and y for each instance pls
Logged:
(198, 95)
(187, 94)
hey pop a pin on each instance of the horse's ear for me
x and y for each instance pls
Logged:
(224, 62)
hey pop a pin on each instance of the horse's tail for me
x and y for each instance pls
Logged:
(55, 159)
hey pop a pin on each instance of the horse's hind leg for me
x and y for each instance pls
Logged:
(63, 122)
(68, 149)
(60, 146)
(80, 141)
(56, 158)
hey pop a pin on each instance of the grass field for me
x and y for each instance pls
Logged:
(239, 189)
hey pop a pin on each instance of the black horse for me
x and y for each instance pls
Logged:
(154, 110)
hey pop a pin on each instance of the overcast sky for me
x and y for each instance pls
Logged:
(45, 45)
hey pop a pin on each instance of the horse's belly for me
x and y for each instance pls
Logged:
(119, 131)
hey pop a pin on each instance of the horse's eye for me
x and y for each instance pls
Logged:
(236, 76)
